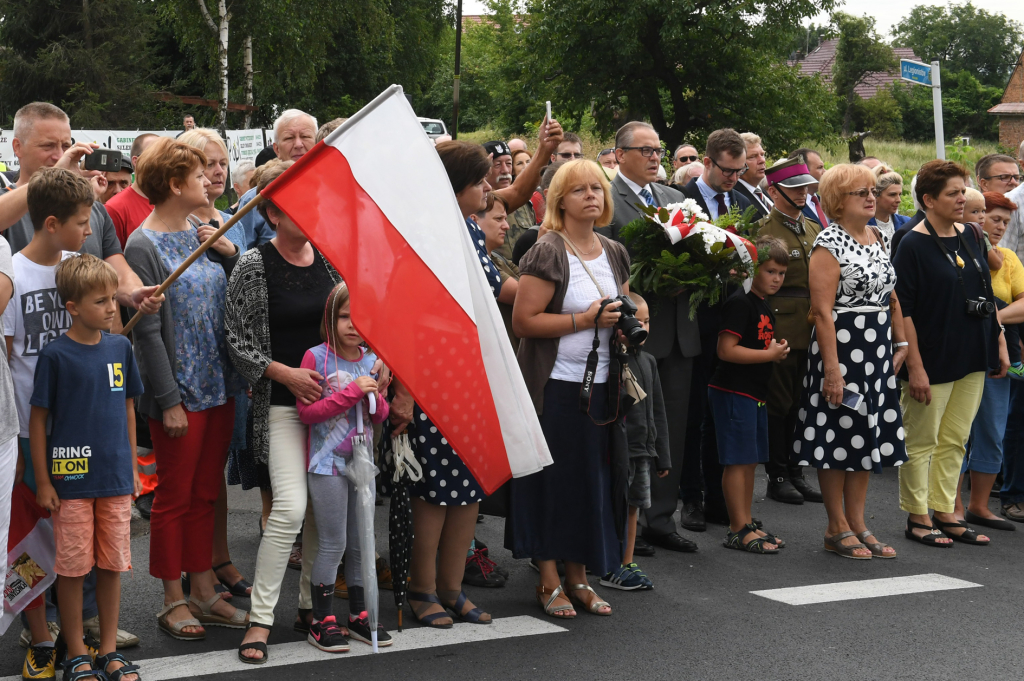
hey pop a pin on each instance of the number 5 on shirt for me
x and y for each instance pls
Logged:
(116, 376)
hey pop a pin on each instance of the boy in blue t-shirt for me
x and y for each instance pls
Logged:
(85, 469)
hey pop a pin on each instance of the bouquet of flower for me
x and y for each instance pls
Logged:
(675, 249)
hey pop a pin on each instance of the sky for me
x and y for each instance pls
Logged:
(886, 13)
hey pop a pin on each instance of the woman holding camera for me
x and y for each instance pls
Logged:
(565, 511)
(945, 292)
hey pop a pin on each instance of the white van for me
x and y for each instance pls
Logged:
(433, 127)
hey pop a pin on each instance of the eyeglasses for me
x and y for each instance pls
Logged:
(647, 152)
(687, 159)
(1004, 178)
(863, 193)
(568, 155)
(731, 172)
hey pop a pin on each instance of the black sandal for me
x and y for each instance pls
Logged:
(241, 588)
(968, 536)
(261, 646)
(930, 539)
(303, 620)
(103, 661)
(734, 540)
(433, 617)
(71, 675)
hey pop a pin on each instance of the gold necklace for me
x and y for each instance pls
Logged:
(593, 243)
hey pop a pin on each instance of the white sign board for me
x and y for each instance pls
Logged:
(243, 145)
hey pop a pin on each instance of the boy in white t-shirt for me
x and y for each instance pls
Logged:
(60, 203)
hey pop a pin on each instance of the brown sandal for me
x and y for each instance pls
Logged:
(835, 545)
(877, 548)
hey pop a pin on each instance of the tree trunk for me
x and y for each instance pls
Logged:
(86, 25)
(247, 64)
(222, 64)
(848, 115)
(220, 30)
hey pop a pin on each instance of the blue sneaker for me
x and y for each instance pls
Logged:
(1016, 371)
(622, 578)
(635, 569)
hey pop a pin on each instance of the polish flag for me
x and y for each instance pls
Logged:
(31, 553)
(374, 198)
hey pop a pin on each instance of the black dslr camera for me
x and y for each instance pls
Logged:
(632, 329)
(980, 308)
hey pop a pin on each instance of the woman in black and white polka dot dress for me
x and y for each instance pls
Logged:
(851, 285)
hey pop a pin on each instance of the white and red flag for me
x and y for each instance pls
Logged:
(374, 198)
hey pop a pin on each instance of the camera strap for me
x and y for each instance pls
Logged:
(970, 253)
(618, 359)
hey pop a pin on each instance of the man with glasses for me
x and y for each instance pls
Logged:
(749, 184)
(571, 148)
(788, 184)
(607, 159)
(684, 154)
(673, 339)
(725, 161)
(1000, 173)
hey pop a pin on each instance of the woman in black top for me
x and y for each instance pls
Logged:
(944, 288)
(276, 300)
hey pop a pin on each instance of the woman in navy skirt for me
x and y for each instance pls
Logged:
(565, 510)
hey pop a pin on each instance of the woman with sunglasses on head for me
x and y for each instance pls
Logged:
(849, 421)
(954, 338)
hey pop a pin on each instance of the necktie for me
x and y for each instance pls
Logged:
(646, 196)
(722, 210)
(817, 209)
(760, 196)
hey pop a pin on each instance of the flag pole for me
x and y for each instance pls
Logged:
(203, 247)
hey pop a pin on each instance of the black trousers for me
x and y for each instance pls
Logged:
(701, 479)
(784, 394)
(676, 373)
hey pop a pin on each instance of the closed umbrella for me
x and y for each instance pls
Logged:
(362, 473)
(398, 452)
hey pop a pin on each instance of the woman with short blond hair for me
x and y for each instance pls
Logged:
(565, 510)
(851, 281)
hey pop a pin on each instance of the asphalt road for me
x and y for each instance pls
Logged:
(700, 622)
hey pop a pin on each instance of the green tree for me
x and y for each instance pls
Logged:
(859, 52)
(90, 58)
(965, 105)
(805, 39)
(963, 38)
(688, 66)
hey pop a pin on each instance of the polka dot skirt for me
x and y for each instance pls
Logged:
(446, 480)
(871, 437)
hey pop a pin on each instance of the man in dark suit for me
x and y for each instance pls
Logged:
(725, 161)
(673, 339)
(749, 184)
(816, 168)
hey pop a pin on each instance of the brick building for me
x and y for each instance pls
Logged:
(1011, 109)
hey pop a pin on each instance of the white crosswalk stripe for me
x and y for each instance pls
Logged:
(865, 588)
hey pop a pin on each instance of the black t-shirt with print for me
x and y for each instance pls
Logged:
(747, 316)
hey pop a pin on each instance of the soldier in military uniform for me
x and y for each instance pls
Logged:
(787, 186)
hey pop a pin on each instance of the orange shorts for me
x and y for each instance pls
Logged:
(93, 532)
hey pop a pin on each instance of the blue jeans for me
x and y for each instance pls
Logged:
(985, 453)
(1013, 448)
